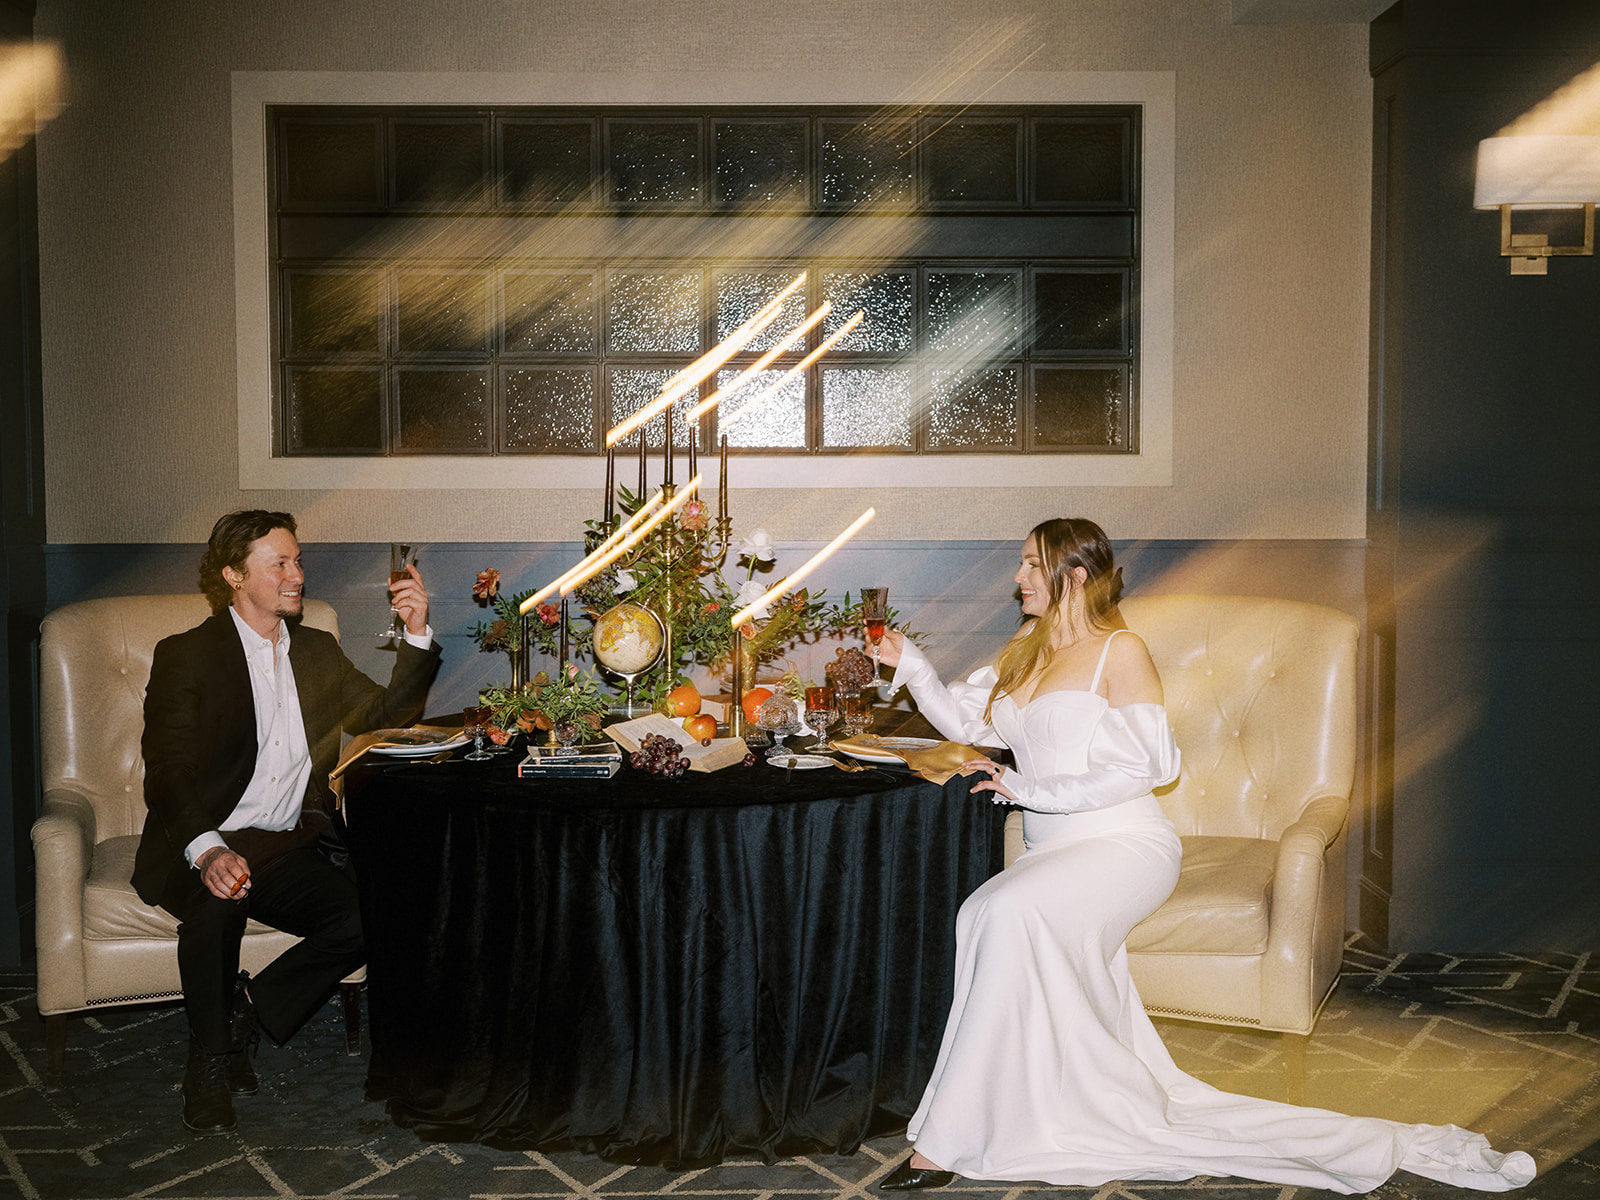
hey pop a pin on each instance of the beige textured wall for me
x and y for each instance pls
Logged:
(1272, 168)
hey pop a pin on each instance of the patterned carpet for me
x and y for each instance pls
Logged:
(1507, 1043)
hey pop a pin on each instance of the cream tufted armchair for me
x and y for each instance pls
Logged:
(99, 945)
(1261, 694)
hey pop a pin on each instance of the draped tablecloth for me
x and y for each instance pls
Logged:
(657, 970)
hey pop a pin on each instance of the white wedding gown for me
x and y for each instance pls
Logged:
(1049, 1069)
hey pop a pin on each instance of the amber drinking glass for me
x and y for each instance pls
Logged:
(855, 711)
(474, 718)
(400, 556)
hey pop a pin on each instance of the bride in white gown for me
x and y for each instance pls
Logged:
(1049, 1069)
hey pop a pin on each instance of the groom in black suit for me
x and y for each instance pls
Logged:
(243, 722)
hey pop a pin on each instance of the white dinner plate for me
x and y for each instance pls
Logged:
(889, 743)
(802, 762)
(424, 749)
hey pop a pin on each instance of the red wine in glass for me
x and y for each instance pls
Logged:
(875, 615)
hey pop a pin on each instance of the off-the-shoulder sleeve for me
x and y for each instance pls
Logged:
(1130, 752)
(955, 710)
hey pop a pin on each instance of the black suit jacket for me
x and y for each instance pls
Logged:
(200, 729)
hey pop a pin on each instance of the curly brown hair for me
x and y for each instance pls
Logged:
(231, 539)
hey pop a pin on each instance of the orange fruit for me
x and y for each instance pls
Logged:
(753, 700)
(701, 727)
(683, 701)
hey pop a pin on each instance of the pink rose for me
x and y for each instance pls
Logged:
(694, 515)
(548, 613)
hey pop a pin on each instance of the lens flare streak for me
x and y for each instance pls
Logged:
(622, 532)
(603, 558)
(783, 585)
(691, 376)
(773, 388)
(761, 364)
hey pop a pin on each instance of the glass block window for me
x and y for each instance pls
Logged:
(515, 280)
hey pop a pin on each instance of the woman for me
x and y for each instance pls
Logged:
(1049, 1068)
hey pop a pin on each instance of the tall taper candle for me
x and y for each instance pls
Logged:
(611, 482)
(640, 497)
(722, 486)
(563, 638)
(694, 437)
(667, 467)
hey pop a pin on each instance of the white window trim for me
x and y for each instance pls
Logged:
(253, 91)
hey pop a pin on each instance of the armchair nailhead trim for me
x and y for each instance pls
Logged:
(1200, 1016)
(110, 1001)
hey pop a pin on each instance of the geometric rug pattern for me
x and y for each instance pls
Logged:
(1508, 1044)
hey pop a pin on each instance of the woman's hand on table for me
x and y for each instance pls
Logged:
(991, 771)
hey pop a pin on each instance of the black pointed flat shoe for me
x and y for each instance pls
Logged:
(906, 1178)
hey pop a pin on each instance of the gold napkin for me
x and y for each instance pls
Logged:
(936, 764)
(362, 742)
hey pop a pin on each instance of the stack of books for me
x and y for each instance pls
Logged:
(597, 760)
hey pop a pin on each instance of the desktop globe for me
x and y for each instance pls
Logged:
(627, 639)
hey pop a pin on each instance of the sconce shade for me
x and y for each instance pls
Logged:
(1538, 171)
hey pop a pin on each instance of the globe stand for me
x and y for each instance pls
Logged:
(629, 709)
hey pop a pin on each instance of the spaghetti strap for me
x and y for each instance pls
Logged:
(1094, 684)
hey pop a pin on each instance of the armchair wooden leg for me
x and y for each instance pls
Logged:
(350, 998)
(55, 1049)
(1294, 1064)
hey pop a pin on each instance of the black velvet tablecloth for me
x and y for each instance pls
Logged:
(660, 970)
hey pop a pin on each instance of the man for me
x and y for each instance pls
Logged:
(243, 718)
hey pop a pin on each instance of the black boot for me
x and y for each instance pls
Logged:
(207, 1107)
(242, 1079)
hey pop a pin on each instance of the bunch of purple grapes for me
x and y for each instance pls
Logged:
(850, 668)
(660, 755)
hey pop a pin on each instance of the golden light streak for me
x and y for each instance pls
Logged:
(622, 531)
(1573, 108)
(761, 396)
(761, 364)
(777, 589)
(31, 83)
(707, 363)
(575, 581)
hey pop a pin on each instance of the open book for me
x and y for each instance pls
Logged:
(722, 752)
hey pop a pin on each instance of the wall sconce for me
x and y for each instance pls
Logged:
(1538, 171)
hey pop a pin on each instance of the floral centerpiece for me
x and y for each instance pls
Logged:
(569, 703)
(670, 574)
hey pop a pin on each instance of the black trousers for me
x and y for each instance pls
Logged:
(309, 892)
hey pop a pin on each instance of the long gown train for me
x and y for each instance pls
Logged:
(1049, 1068)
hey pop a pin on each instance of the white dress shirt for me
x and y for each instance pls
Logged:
(273, 797)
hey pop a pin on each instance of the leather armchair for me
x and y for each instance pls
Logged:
(99, 945)
(1261, 694)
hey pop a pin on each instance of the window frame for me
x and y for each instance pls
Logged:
(254, 92)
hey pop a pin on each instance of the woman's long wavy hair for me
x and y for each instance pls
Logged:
(1064, 543)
